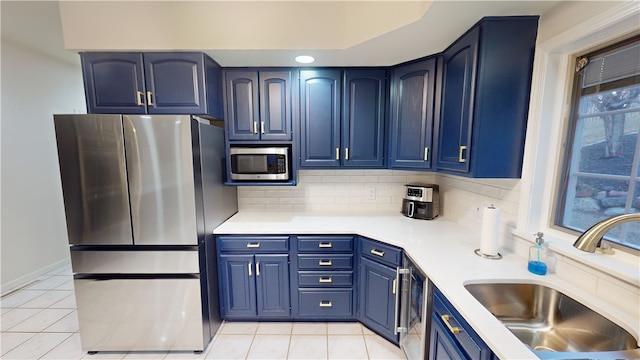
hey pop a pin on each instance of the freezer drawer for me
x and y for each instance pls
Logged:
(140, 314)
(135, 262)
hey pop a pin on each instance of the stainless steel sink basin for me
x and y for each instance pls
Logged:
(547, 320)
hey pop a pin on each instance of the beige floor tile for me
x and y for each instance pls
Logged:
(50, 282)
(230, 347)
(269, 347)
(37, 346)
(41, 320)
(380, 349)
(308, 347)
(70, 349)
(67, 303)
(143, 355)
(309, 328)
(68, 323)
(238, 328)
(15, 317)
(275, 328)
(9, 341)
(347, 347)
(47, 299)
(346, 328)
(20, 297)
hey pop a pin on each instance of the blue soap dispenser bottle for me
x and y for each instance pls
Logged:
(538, 256)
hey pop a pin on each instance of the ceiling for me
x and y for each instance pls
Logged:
(254, 33)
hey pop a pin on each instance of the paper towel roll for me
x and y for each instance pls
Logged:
(490, 231)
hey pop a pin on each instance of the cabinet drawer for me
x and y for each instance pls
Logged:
(381, 252)
(325, 278)
(253, 243)
(325, 262)
(325, 243)
(467, 338)
(326, 303)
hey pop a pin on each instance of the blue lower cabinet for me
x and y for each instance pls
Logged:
(451, 335)
(254, 285)
(378, 298)
(324, 279)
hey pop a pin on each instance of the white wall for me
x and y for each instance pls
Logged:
(33, 231)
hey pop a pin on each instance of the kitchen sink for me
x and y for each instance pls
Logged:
(548, 320)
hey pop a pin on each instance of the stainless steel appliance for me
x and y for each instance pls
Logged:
(421, 201)
(414, 310)
(259, 163)
(142, 195)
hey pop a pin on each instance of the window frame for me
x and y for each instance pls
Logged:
(546, 133)
(567, 163)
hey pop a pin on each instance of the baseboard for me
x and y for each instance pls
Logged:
(26, 279)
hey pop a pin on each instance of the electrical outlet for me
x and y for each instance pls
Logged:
(371, 193)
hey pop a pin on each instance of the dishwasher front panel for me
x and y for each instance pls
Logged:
(127, 314)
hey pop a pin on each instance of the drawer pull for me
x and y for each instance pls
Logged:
(325, 263)
(325, 280)
(250, 271)
(393, 287)
(376, 252)
(258, 268)
(325, 304)
(325, 245)
(454, 330)
(253, 245)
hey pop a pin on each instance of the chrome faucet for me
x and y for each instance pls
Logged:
(590, 239)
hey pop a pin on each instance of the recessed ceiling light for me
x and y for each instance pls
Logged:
(305, 59)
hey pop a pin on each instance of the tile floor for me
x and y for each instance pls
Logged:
(40, 322)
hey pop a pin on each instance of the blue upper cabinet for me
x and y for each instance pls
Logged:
(258, 105)
(363, 111)
(411, 116)
(114, 83)
(320, 118)
(486, 82)
(152, 83)
(342, 118)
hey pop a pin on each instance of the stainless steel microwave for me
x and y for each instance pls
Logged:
(260, 163)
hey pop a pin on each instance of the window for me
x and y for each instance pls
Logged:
(601, 168)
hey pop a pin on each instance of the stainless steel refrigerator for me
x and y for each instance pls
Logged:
(142, 195)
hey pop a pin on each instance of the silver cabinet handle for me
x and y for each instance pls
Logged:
(149, 97)
(325, 263)
(397, 293)
(258, 268)
(253, 245)
(325, 280)
(337, 153)
(255, 127)
(460, 158)
(376, 252)
(325, 304)
(325, 245)
(140, 96)
(346, 153)
(250, 269)
(262, 127)
(426, 154)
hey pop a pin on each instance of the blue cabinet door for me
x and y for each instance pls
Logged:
(114, 83)
(272, 285)
(258, 105)
(411, 116)
(363, 116)
(320, 118)
(175, 83)
(486, 84)
(242, 115)
(237, 286)
(458, 86)
(378, 298)
(275, 105)
(442, 346)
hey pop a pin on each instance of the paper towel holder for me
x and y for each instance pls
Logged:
(488, 256)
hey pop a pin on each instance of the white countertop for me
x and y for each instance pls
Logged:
(444, 250)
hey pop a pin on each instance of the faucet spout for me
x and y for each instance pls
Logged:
(590, 239)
